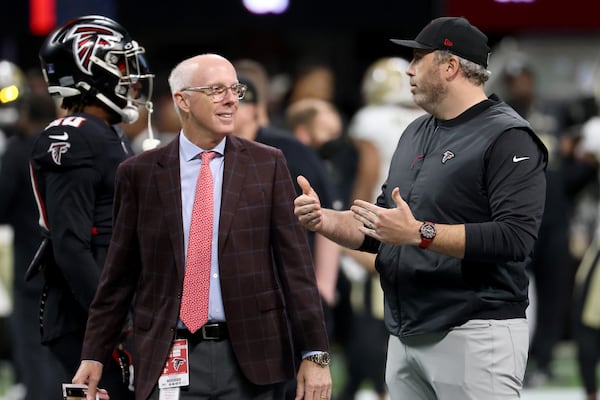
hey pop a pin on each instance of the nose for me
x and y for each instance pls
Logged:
(135, 90)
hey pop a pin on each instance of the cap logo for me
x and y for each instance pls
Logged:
(88, 38)
(448, 42)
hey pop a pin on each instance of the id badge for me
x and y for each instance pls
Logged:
(176, 372)
(169, 394)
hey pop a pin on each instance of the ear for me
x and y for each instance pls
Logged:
(181, 101)
(452, 67)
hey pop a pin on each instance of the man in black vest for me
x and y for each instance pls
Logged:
(454, 227)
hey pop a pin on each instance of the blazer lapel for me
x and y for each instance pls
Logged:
(236, 165)
(168, 182)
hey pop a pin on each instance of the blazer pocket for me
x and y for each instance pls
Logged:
(270, 300)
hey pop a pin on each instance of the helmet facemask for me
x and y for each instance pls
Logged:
(134, 83)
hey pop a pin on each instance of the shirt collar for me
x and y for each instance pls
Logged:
(190, 150)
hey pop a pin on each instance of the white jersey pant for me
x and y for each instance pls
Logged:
(480, 360)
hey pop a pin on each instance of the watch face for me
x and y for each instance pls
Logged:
(428, 231)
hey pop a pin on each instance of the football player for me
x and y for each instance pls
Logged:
(100, 73)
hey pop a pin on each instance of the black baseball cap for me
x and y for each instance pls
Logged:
(251, 94)
(454, 34)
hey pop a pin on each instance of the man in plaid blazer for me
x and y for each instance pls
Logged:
(264, 307)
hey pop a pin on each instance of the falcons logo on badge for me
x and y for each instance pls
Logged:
(448, 155)
(56, 150)
(178, 362)
(87, 39)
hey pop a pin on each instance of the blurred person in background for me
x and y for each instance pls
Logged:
(33, 364)
(453, 228)
(255, 72)
(301, 160)
(12, 88)
(376, 127)
(375, 130)
(101, 75)
(552, 265)
(586, 293)
(312, 79)
(314, 121)
(317, 123)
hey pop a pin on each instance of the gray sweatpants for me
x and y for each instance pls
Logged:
(480, 360)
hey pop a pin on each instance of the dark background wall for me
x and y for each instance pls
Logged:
(179, 28)
(346, 34)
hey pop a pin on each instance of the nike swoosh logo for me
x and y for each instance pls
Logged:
(64, 136)
(517, 159)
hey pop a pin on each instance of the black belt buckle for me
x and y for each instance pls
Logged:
(212, 331)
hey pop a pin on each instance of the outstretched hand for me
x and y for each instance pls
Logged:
(388, 225)
(307, 206)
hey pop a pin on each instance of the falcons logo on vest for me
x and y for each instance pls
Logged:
(87, 39)
(448, 155)
(56, 150)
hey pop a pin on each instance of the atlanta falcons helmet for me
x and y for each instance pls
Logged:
(386, 82)
(94, 56)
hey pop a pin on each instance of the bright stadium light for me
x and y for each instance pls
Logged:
(266, 6)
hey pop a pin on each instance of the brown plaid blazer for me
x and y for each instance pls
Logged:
(270, 297)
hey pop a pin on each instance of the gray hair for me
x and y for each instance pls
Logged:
(178, 79)
(178, 76)
(474, 72)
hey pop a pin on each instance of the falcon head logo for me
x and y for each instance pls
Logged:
(448, 155)
(88, 39)
(177, 363)
(56, 150)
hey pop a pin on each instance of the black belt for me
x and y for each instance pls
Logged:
(210, 331)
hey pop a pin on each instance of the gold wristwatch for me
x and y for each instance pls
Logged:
(323, 358)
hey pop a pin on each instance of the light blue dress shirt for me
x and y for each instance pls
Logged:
(189, 167)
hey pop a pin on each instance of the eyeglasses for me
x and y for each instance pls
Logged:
(217, 92)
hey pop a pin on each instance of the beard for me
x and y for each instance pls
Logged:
(431, 91)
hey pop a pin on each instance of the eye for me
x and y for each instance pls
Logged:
(217, 89)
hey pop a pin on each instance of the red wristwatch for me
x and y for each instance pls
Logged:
(428, 232)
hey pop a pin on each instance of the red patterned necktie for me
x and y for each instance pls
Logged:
(194, 301)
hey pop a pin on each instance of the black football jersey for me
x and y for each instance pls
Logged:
(73, 166)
